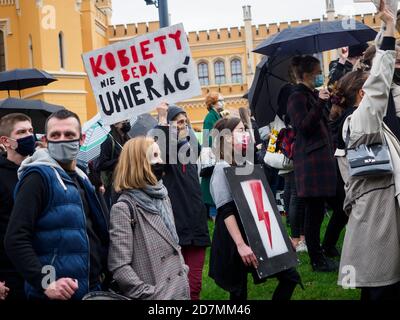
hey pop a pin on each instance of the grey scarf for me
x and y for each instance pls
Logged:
(155, 200)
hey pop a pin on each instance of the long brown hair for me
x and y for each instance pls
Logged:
(134, 169)
(223, 127)
(345, 92)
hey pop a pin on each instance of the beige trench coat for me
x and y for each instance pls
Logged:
(372, 241)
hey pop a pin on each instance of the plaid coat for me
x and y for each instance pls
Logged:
(145, 261)
(313, 155)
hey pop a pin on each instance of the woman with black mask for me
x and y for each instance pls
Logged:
(109, 154)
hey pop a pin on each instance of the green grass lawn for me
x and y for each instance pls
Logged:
(318, 286)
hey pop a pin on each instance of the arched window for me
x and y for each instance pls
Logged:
(61, 49)
(30, 51)
(219, 69)
(236, 69)
(202, 70)
(2, 52)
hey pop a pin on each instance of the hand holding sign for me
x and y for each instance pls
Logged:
(162, 111)
(133, 77)
(247, 255)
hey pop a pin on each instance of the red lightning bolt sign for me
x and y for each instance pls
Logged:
(256, 189)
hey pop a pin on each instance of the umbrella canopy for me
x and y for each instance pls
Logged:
(96, 133)
(19, 79)
(37, 110)
(271, 75)
(316, 37)
(143, 124)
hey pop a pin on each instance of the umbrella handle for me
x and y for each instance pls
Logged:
(109, 134)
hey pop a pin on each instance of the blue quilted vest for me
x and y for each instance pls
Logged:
(60, 238)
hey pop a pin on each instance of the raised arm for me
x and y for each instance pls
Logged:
(368, 117)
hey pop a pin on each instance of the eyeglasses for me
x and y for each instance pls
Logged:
(181, 122)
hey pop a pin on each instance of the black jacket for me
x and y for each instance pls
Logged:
(338, 70)
(8, 273)
(110, 151)
(8, 181)
(182, 183)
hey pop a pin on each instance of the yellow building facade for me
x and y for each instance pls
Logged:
(52, 34)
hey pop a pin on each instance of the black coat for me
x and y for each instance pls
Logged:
(338, 71)
(182, 183)
(8, 181)
(313, 157)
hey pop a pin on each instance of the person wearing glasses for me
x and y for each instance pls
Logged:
(180, 177)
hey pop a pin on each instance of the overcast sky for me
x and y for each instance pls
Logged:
(209, 14)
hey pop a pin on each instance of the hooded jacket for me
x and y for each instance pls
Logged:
(182, 183)
(60, 238)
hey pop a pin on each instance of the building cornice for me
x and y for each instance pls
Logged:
(82, 92)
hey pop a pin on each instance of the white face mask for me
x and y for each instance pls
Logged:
(220, 104)
(64, 151)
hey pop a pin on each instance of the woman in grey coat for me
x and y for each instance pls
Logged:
(145, 258)
(371, 250)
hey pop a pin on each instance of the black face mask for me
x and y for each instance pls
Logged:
(158, 170)
(396, 76)
(126, 127)
(26, 145)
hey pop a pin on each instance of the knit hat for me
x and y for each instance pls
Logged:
(173, 111)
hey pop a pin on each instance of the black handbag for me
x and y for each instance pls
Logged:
(368, 160)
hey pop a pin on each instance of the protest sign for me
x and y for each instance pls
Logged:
(132, 77)
(261, 220)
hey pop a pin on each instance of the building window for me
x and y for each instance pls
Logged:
(61, 49)
(2, 52)
(236, 69)
(219, 69)
(30, 49)
(202, 69)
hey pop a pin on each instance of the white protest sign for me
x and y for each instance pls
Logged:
(132, 77)
(392, 4)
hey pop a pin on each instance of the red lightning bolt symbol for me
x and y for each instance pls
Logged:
(256, 190)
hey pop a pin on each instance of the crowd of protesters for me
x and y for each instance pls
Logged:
(139, 224)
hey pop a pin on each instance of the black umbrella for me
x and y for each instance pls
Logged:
(37, 110)
(143, 124)
(271, 75)
(19, 79)
(317, 37)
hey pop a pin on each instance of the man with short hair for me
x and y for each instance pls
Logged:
(57, 236)
(16, 136)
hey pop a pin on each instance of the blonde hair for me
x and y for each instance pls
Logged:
(134, 169)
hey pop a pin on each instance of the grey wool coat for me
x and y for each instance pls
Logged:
(144, 260)
(372, 242)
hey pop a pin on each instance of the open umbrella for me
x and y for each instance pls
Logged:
(271, 75)
(37, 110)
(142, 125)
(19, 79)
(96, 133)
(316, 37)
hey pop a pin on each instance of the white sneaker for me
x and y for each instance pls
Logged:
(301, 247)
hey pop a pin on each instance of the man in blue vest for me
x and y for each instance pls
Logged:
(57, 236)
